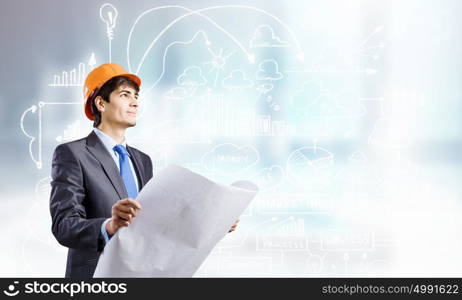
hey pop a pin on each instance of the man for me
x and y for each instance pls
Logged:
(95, 180)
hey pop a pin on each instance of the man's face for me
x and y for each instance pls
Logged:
(122, 108)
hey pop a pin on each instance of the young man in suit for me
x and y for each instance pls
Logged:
(95, 180)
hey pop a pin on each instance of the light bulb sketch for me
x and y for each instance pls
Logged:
(108, 14)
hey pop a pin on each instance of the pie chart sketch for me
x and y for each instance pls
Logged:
(310, 167)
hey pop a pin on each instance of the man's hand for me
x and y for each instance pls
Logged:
(123, 212)
(234, 226)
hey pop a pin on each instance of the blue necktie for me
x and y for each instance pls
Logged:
(126, 171)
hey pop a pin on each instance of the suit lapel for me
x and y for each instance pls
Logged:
(137, 164)
(97, 149)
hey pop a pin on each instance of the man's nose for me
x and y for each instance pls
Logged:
(134, 102)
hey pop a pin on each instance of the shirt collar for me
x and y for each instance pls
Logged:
(107, 140)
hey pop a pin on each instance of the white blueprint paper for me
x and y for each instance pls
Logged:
(183, 216)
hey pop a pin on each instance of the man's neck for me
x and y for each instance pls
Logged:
(118, 134)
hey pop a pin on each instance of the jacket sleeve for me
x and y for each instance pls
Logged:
(149, 171)
(69, 223)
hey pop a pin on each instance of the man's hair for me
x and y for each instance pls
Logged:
(106, 90)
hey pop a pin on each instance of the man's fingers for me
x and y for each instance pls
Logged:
(232, 228)
(124, 211)
(124, 216)
(131, 202)
(121, 223)
(127, 209)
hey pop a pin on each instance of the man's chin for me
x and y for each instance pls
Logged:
(129, 124)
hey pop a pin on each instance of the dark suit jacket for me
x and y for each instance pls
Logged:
(85, 184)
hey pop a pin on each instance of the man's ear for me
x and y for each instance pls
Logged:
(100, 103)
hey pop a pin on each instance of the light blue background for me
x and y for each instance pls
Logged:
(381, 104)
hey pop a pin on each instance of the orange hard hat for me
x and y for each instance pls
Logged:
(99, 76)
